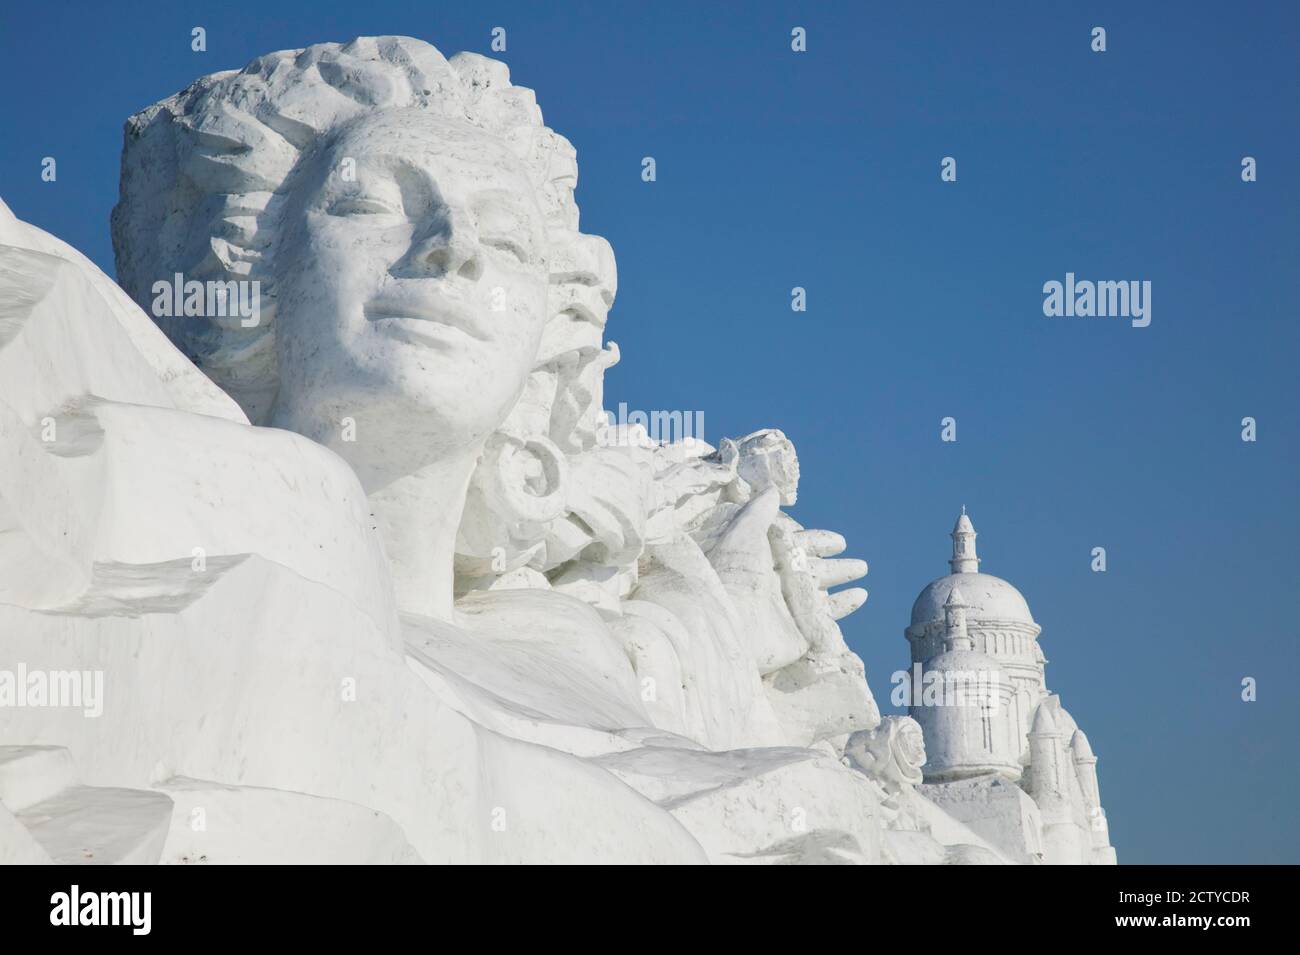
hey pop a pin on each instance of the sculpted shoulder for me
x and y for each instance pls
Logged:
(116, 451)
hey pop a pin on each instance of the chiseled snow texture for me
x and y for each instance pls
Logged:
(231, 825)
(47, 815)
(171, 381)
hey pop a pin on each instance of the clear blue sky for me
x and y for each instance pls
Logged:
(924, 300)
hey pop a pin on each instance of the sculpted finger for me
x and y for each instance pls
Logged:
(821, 543)
(831, 573)
(845, 602)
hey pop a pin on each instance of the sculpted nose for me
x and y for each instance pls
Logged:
(451, 248)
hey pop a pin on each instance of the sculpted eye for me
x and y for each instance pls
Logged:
(506, 244)
(360, 206)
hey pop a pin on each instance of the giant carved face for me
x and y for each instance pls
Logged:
(411, 291)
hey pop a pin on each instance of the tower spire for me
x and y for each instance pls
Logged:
(954, 620)
(964, 559)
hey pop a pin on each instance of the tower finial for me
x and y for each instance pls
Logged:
(964, 559)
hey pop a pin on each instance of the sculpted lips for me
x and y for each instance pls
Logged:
(423, 316)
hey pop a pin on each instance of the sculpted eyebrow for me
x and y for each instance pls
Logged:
(500, 200)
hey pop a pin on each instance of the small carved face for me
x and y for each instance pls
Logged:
(910, 743)
(412, 289)
(768, 458)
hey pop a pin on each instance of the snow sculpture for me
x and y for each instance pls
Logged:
(892, 753)
(274, 610)
(435, 318)
(1003, 754)
(442, 609)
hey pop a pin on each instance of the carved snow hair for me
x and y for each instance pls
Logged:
(207, 172)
